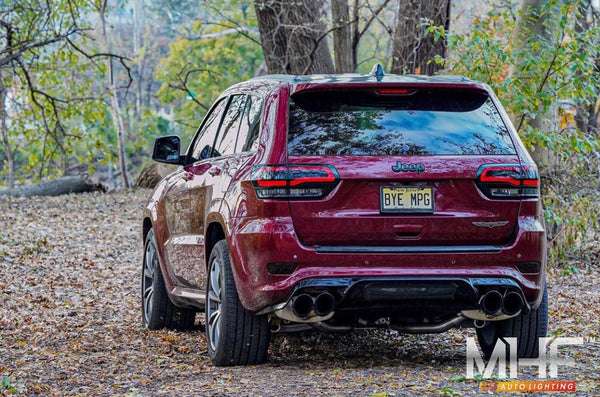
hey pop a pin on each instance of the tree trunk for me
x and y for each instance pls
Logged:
(138, 23)
(10, 158)
(342, 40)
(586, 117)
(355, 33)
(531, 30)
(115, 109)
(64, 185)
(414, 48)
(294, 36)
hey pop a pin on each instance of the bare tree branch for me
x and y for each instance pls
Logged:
(227, 32)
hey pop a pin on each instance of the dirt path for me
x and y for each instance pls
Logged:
(70, 322)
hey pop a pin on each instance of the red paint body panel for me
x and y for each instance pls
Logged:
(350, 215)
(218, 193)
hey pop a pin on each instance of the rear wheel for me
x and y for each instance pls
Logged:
(526, 327)
(157, 309)
(235, 336)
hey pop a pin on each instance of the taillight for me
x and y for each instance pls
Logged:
(294, 181)
(509, 181)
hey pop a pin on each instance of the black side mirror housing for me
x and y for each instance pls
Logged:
(166, 150)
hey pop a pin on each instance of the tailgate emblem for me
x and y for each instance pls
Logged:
(490, 224)
(408, 167)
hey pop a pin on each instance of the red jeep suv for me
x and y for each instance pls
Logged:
(347, 201)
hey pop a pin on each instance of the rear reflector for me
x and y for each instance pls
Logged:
(294, 181)
(509, 181)
(529, 267)
(281, 268)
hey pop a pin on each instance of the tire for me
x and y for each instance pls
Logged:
(235, 336)
(157, 309)
(526, 327)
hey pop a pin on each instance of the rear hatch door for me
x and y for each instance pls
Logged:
(407, 160)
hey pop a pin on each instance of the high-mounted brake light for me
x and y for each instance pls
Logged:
(294, 181)
(396, 91)
(509, 181)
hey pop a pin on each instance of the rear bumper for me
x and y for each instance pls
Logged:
(396, 300)
(255, 242)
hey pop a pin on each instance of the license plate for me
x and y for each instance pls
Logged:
(406, 199)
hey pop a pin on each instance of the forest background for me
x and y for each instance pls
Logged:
(87, 85)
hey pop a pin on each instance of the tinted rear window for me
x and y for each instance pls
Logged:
(432, 122)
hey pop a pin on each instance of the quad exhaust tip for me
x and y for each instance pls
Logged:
(324, 304)
(305, 306)
(493, 302)
(302, 305)
(512, 303)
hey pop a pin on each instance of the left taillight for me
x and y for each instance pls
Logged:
(297, 181)
(509, 181)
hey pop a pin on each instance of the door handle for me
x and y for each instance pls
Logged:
(215, 171)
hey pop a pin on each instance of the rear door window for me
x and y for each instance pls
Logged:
(250, 126)
(422, 122)
(229, 129)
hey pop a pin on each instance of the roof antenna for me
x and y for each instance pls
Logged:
(377, 71)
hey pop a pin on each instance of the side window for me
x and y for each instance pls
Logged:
(250, 126)
(206, 136)
(229, 129)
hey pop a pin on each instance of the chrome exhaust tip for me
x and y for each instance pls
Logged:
(513, 303)
(491, 303)
(302, 305)
(324, 304)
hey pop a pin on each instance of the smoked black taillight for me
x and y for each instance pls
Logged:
(296, 181)
(508, 181)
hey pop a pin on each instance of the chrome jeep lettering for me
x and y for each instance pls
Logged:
(408, 167)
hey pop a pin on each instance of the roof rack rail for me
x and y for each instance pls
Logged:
(289, 78)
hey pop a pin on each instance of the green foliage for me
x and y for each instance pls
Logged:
(534, 80)
(459, 378)
(534, 77)
(144, 130)
(52, 99)
(380, 394)
(9, 384)
(448, 391)
(198, 70)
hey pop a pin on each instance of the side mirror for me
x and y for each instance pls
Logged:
(166, 150)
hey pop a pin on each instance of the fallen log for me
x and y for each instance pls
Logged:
(57, 187)
(152, 174)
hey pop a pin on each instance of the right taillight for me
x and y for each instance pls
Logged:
(295, 181)
(508, 181)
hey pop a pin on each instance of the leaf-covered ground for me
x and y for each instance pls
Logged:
(70, 322)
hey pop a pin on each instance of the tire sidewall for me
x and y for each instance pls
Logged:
(149, 240)
(223, 258)
(518, 327)
(156, 319)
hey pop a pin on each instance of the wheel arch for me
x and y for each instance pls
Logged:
(214, 233)
(146, 226)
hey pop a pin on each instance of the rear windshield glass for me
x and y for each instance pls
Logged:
(432, 122)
